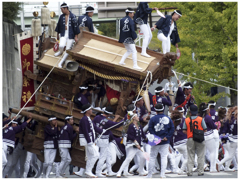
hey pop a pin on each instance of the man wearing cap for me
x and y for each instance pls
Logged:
(140, 109)
(141, 18)
(66, 137)
(82, 97)
(183, 97)
(68, 28)
(193, 146)
(162, 126)
(102, 122)
(87, 138)
(86, 20)
(50, 145)
(158, 98)
(127, 37)
(9, 133)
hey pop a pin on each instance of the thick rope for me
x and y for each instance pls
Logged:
(206, 81)
(36, 89)
(118, 78)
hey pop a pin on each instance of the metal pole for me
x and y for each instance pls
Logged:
(22, 18)
(228, 99)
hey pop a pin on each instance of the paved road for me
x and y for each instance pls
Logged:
(220, 174)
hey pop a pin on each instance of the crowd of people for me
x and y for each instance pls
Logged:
(177, 151)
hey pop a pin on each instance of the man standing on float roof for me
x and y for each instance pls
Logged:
(68, 29)
(127, 37)
(85, 20)
(141, 19)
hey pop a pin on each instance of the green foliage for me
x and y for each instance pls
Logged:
(209, 29)
(108, 29)
(10, 10)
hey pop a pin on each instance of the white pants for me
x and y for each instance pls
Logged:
(182, 148)
(112, 156)
(30, 160)
(136, 165)
(105, 154)
(147, 148)
(130, 153)
(49, 157)
(92, 156)
(131, 49)
(216, 139)
(230, 153)
(65, 160)
(4, 155)
(145, 28)
(166, 43)
(65, 42)
(18, 154)
(210, 145)
(163, 150)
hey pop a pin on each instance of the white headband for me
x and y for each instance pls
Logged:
(53, 118)
(182, 110)
(68, 117)
(83, 87)
(104, 109)
(129, 11)
(206, 109)
(86, 109)
(64, 6)
(156, 91)
(15, 122)
(159, 109)
(177, 13)
(212, 104)
(137, 100)
(187, 87)
(90, 11)
(178, 119)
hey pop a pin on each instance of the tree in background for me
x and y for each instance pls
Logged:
(10, 10)
(209, 30)
(108, 29)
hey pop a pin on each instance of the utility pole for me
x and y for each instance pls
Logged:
(22, 18)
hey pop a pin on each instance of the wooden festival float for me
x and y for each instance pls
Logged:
(93, 57)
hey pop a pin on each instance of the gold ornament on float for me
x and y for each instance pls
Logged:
(45, 3)
(52, 14)
(35, 14)
(113, 101)
(26, 49)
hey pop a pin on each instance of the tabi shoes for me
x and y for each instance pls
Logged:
(90, 174)
(100, 175)
(145, 55)
(111, 174)
(58, 53)
(137, 67)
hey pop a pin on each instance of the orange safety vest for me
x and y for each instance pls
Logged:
(197, 124)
